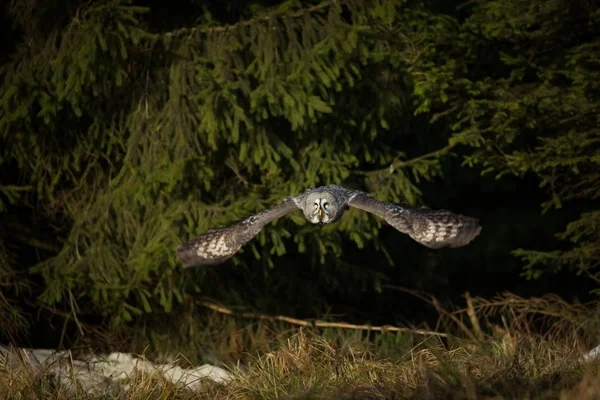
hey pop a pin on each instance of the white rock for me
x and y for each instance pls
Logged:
(592, 355)
(99, 374)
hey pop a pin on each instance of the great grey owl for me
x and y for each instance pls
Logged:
(325, 205)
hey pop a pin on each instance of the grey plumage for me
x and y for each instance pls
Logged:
(218, 244)
(324, 205)
(432, 228)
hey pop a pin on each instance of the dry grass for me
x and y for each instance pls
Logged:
(517, 348)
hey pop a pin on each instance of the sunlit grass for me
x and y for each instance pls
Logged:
(514, 359)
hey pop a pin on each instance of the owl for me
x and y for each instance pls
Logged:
(325, 205)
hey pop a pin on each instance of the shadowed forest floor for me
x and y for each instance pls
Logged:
(502, 348)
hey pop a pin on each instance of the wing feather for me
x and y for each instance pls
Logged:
(219, 244)
(432, 228)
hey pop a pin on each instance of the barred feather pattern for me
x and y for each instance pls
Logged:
(431, 228)
(437, 228)
(324, 205)
(219, 244)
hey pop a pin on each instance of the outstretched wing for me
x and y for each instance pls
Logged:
(218, 244)
(432, 228)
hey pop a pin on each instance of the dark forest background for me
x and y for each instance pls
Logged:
(127, 127)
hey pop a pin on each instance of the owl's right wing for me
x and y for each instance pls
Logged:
(432, 228)
(219, 244)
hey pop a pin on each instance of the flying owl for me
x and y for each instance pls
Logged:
(325, 205)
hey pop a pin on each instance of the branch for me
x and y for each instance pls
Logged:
(317, 323)
(397, 164)
(473, 316)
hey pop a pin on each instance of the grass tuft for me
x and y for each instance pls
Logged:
(516, 349)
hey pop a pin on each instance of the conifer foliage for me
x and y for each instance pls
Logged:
(130, 136)
(522, 80)
(130, 140)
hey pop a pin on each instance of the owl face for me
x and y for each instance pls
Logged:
(321, 208)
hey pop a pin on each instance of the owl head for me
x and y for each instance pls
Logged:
(322, 207)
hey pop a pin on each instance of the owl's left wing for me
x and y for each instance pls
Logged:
(432, 228)
(219, 244)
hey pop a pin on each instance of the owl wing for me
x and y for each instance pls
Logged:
(218, 244)
(432, 228)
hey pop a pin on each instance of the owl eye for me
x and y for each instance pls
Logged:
(315, 206)
(326, 206)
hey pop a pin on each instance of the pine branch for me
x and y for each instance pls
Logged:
(398, 164)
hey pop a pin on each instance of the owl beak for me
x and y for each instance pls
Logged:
(320, 212)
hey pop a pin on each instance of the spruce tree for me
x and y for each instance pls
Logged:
(521, 80)
(132, 132)
(133, 139)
